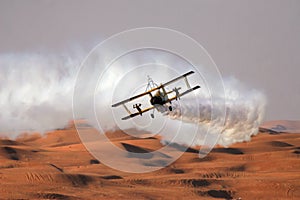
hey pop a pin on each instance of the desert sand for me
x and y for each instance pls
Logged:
(57, 166)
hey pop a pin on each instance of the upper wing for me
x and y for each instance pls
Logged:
(137, 113)
(149, 91)
(178, 78)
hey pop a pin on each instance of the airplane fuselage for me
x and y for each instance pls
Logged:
(159, 101)
(160, 98)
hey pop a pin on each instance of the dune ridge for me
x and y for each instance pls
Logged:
(57, 166)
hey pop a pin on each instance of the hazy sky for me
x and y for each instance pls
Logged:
(257, 41)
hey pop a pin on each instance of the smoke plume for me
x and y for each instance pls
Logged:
(35, 92)
(244, 113)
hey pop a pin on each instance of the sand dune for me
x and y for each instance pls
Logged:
(281, 126)
(57, 166)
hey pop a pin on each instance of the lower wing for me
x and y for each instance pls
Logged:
(184, 93)
(137, 113)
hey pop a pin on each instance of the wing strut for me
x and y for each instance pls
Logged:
(187, 82)
(126, 109)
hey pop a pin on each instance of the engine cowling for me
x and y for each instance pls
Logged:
(156, 100)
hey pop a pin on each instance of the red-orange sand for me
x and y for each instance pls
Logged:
(57, 166)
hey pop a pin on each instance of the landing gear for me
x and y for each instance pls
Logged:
(152, 114)
(170, 108)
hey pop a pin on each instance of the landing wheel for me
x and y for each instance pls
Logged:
(152, 115)
(170, 108)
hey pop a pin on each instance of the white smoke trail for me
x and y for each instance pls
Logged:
(35, 92)
(244, 113)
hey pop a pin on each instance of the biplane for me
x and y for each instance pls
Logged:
(159, 97)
